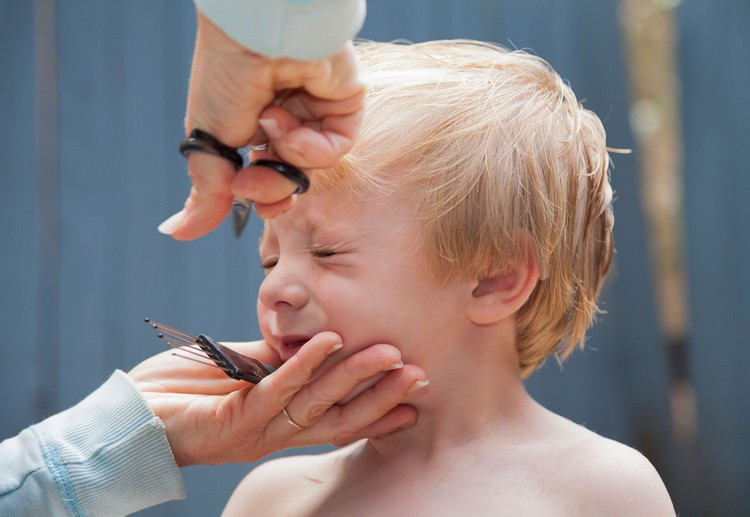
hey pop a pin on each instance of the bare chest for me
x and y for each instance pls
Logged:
(440, 493)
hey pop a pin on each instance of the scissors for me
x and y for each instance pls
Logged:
(204, 142)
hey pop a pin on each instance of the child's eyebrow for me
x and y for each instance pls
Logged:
(312, 228)
(317, 230)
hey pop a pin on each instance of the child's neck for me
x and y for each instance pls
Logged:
(475, 394)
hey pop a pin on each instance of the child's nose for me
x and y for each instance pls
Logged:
(282, 289)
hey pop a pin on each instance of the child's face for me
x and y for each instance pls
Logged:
(355, 267)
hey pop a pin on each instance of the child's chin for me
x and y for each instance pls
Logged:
(361, 388)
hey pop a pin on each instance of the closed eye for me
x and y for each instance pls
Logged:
(322, 252)
(269, 263)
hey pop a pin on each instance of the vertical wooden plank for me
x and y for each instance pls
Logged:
(85, 169)
(19, 231)
(715, 67)
(48, 207)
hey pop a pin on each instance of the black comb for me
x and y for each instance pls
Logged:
(234, 364)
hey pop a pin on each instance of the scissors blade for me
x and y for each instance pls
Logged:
(241, 207)
(240, 213)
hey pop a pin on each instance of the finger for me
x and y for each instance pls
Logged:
(400, 417)
(180, 375)
(269, 211)
(199, 386)
(330, 103)
(274, 392)
(172, 369)
(262, 185)
(335, 78)
(301, 108)
(182, 372)
(312, 402)
(309, 108)
(371, 413)
(209, 201)
(324, 147)
(259, 350)
(315, 398)
(310, 139)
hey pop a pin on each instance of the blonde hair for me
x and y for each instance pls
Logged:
(497, 151)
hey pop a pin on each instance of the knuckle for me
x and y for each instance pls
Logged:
(316, 412)
(273, 384)
(297, 363)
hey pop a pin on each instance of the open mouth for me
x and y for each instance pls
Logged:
(290, 345)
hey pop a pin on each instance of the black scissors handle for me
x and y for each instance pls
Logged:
(203, 142)
(290, 172)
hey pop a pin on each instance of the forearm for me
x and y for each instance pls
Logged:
(306, 30)
(108, 455)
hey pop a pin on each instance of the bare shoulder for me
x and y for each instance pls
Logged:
(283, 486)
(261, 488)
(614, 479)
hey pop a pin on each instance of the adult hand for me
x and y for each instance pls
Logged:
(212, 419)
(310, 111)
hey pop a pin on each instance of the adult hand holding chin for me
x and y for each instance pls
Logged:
(212, 419)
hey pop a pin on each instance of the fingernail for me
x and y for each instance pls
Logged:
(271, 127)
(334, 348)
(418, 385)
(394, 366)
(169, 226)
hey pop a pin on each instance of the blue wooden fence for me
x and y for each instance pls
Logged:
(715, 67)
(92, 96)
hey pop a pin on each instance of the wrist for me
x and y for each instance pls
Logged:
(287, 29)
(110, 439)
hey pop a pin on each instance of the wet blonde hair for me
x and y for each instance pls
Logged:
(497, 151)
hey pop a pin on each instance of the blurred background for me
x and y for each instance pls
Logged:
(92, 96)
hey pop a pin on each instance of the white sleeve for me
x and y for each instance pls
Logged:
(107, 455)
(299, 29)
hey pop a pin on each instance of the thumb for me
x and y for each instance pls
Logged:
(210, 198)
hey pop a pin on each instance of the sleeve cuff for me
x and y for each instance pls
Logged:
(298, 29)
(109, 454)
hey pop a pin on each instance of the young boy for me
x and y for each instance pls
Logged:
(470, 227)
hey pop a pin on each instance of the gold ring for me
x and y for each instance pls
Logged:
(291, 421)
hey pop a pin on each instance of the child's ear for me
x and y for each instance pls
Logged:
(496, 298)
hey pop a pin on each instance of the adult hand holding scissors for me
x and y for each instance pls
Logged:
(309, 112)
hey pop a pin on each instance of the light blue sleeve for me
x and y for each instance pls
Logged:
(107, 455)
(300, 29)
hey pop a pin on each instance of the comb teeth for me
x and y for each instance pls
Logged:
(171, 331)
(233, 364)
